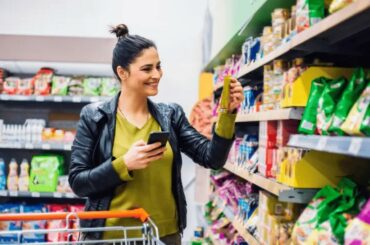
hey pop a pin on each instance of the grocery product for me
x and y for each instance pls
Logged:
(42, 81)
(24, 178)
(308, 122)
(339, 4)
(225, 96)
(25, 87)
(327, 102)
(110, 86)
(358, 231)
(358, 119)
(56, 224)
(45, 170)
(92, 86)
(9, 225)
(350, 95)
(33, 225)
(12, 182)
(59, 85)
(10, 85)
(309, 12)
(2, 175)
(76, 86)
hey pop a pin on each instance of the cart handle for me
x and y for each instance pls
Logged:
(135, 213)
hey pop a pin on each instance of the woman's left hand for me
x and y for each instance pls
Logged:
(236, 95)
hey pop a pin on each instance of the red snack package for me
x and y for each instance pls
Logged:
(42, 81)
(10, 85)
(25, 87)
(56, 224)
(284, 129)
(74, 225)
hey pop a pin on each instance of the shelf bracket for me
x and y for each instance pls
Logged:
(297, 195)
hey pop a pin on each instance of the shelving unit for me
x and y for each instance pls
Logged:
(284, 193)
(244, 233)
(352, 146)
(27, 194)
(282, 114)
(53, 98)
(56, 146)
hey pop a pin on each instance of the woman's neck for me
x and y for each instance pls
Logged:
(133, 104)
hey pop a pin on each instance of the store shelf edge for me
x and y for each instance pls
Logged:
(281, 114)
(53, 98)
(27, 194)
(244, 233)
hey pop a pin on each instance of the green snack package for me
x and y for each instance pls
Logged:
(60, 85)
(327, 103)
(358, 122)
(92, 86)
(351, 93)
(308, 122)
(45, 171)
(110, 86)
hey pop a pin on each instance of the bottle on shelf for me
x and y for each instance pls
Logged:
(13, 176)
(24, 177)
(2, 175)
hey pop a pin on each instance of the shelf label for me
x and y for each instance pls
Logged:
(28, 146)
(94, 98)
(3, 193)
(40, 98)
(67, 147)
(70, 195)
(321, 144)
(355, 146)
(5, 97)
(57, 195)
(35, 194)
(45, 146)
(76, 99)
(58, 98)
(13, 193)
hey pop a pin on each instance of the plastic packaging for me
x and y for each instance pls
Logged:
(2, 175)
(358, 231)
(327, 102)
(33, 225)
(25, 87)
(12, 182)
(92, 86)
(309, 12)
(308, 123)
(339, 4)
(110, 87)
(9, 225)
(10, 85)
(42, 81)
(24, 178)
(60, 85)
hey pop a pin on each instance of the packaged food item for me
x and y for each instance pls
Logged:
(25, 87)
(2, 174)
(358, 119)
(92, 86)
(308, 122)
(358, 230)
(350, 95)
(110, 86)
(12, 182)
(60, 85)
(9, 225)
(45, 170)
(309, 12)
(42, 81)
(56, 224)
(76, 86)
(24, 178)
(10, 85)
(339, 4)
(74, 225)
(63, 185)
(33, 225)
(327, 102)
(3, 75)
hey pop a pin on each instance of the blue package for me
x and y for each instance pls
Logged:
(34, 225)
(9, 225)
(2, 175)
(254, 48)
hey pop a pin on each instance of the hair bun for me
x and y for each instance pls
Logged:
(120, 30)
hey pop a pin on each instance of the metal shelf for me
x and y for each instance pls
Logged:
(346, 145)
(58, 146)
(53, 98)
(322, 37)
(283, 192)
(282, 114)
(244, 233)
(27, 194)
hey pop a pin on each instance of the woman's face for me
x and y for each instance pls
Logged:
(144, 73)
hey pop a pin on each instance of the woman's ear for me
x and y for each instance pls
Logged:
(122, 73)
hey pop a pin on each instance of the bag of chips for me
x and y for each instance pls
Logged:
(10, 85)
(308, 122)
(110, 86)
(327, 103)
(42, 81)
(308, 13)
(92, 86)
(76, 86)
(339, 4)
(60, 85)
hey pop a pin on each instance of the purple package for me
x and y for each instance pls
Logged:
(358, 230)
(365, 213)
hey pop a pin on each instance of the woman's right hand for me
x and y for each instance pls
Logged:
(140, 155)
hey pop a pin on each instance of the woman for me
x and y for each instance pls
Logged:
(111, 163)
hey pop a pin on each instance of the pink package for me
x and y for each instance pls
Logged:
(358, 231)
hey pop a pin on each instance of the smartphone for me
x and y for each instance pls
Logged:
(162, 137)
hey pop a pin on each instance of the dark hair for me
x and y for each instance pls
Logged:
(128, 47)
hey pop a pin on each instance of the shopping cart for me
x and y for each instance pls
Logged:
(148, 230)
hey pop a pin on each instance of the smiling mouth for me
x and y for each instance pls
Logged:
(151, 84)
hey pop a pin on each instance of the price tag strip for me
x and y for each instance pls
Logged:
(355, 146)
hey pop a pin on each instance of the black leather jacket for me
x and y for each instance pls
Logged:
(91, 173)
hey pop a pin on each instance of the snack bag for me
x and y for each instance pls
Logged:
(308, 122)
(33, 225)
(92, 86)
(60, 85)
(339, 4)
(25, 87)
(309, 12)
(10, 85)
(42, 81)
(327, 103)
(76, 86)
(351, 93)
(358, 121)
(9, 225)
(56, 224)
(110, 87)
(358, 231)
